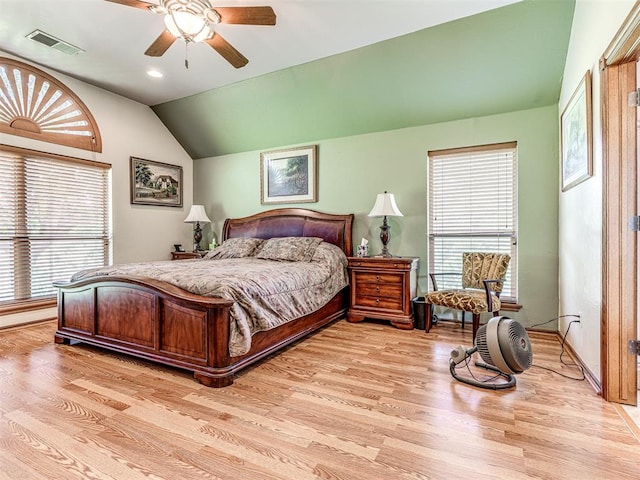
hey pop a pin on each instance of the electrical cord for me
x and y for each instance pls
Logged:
(562, 352)
(467, 361)
(466, 364)
(553, 320)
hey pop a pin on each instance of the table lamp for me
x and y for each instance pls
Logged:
(385, 206)
(197, 215)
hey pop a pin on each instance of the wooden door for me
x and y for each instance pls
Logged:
(620, 254)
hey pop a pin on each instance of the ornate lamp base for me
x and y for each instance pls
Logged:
(197, 236)
(385, 236)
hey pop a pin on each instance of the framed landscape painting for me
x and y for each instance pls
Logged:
(576, 136)
(289, 176)
(155, 183)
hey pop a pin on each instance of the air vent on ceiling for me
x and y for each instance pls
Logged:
(53, 42)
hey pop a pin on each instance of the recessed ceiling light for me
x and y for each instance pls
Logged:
(154, 74)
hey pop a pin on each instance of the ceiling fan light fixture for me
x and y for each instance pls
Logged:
(187, 26)
(189, 19)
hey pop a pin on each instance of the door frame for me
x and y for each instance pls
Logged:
(620, 192)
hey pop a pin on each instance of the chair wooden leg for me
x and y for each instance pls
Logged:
(476, 325)
(428, 311)
(463, 313)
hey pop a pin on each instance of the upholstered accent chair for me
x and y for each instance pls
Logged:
(483, 276)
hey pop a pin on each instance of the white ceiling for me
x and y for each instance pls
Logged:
(115, 37)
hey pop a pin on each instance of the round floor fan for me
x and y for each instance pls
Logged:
(504, 345)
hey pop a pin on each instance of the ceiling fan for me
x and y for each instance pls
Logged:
(194, 21)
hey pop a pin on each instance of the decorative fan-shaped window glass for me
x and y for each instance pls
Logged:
(33, 104)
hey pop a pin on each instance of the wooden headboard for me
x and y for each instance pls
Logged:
(293, 222)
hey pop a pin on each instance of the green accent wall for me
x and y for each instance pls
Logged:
(503, 60)
(354, 169)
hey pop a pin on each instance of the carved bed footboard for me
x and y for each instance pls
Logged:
(149, 319)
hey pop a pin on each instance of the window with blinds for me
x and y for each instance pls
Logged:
(54, 221)
(473, 208)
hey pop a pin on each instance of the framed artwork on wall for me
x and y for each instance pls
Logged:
(289, 176)
(576, 136)
(155, 183)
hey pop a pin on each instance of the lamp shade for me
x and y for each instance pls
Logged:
(385, 206)
(197, 214)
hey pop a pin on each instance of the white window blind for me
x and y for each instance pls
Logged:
(473, 207)
(55, 220)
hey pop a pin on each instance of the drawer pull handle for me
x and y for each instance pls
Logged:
(377, 289)
(377, 301)
(377, 277)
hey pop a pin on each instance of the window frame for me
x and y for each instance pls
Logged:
(21, 262)
(510, 297)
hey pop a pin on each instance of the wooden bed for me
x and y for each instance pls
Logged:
(157, 321)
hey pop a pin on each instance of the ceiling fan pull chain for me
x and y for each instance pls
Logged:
(186, 55)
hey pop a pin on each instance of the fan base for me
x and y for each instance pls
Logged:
(510, 379)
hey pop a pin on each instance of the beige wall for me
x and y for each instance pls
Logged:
(580, 215)
(128, 129)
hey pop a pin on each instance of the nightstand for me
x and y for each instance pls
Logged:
(382, 287)
(187, 255)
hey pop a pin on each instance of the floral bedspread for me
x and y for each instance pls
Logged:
(265, 293)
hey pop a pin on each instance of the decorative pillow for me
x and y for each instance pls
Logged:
(292, 249)
(239, 247)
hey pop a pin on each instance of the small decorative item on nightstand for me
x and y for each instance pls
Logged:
(382, 287)
(214, 242)
(363, 248)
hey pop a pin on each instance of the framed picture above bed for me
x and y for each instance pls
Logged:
(576, 136)
(289, 176)
(155, 183)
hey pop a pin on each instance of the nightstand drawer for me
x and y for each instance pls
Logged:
(187, 255)
(375, 263)
(379, 289)
(378, 278)
(386, 303)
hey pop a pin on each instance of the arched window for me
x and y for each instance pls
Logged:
(33, 104)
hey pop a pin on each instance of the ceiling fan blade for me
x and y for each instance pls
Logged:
(247, 15)
(161, 44)
(224, 48)
(134, 3)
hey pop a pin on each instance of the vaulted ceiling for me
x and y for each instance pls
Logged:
(327, 69)
(508, 59)
(114, 38)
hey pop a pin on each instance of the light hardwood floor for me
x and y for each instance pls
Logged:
(354, 401)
